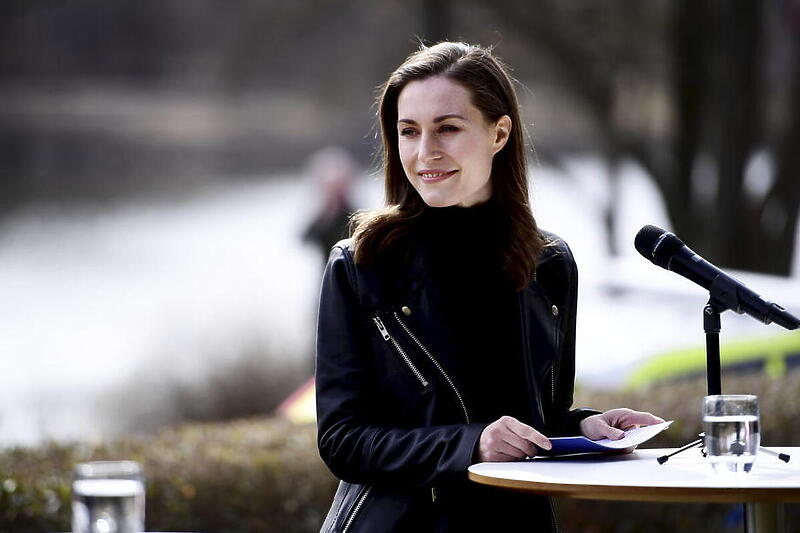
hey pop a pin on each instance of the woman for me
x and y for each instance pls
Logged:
(446, 327)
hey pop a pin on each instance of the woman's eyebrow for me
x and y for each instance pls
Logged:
(437, 119)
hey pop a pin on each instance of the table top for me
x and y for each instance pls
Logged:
(637, 476)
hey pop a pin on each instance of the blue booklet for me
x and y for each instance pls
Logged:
(632, 437)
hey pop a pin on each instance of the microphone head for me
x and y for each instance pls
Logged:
(657, 245)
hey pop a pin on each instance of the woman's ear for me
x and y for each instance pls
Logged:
(502, 130)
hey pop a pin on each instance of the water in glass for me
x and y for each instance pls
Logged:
(105, 502)
(732, 433)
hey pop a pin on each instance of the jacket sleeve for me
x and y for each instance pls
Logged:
(352, 441)
(565, 420)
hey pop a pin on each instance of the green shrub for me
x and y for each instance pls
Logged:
(264, 475)
(244, 476)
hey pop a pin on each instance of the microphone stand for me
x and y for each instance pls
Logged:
(724, 296)
(712, 325)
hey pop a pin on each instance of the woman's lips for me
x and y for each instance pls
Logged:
(432, 176)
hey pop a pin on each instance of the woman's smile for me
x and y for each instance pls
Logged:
(433, 176)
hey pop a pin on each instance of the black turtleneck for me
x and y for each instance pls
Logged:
(464, 257)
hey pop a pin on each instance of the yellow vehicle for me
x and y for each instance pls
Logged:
(773, 355)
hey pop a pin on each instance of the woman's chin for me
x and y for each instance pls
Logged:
(438, 204)
(438, 200)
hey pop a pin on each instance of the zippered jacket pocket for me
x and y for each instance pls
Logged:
(435, 362)
(399, 350)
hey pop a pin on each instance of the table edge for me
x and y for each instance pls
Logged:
(640, 493)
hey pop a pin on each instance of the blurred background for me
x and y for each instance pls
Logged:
(173, 171)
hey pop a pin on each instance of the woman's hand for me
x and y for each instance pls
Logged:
(508, 439)
(612, 424)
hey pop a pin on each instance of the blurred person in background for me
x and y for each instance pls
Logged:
(446, 331)
(334, 171)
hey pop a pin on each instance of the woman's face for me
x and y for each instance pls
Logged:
(446, 145)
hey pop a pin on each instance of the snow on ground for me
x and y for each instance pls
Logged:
(90, 298)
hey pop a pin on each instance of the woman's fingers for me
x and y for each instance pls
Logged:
(497, 443)
(611, 432)
(502, 450)
(648, 419)
(597, 427)
(523, 447)
(612, 423)
(628, 418)
(508, 439)
(526, 432)
(511, 450)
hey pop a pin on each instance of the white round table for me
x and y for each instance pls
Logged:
(686, 477)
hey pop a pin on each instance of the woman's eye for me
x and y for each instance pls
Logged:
(407, 132)
(448, 128)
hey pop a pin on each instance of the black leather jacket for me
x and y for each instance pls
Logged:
(392, 424)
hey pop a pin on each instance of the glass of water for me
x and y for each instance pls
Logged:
(730, 422)
(108, 497)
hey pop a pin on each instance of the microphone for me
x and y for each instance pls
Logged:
(669, 252)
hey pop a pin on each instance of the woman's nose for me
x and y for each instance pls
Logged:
(429, 148)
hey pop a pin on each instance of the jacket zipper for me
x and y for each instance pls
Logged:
(435, 362)
(387, 337)
(356, 509)
(554, 366)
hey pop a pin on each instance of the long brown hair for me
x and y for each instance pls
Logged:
(492, 92)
